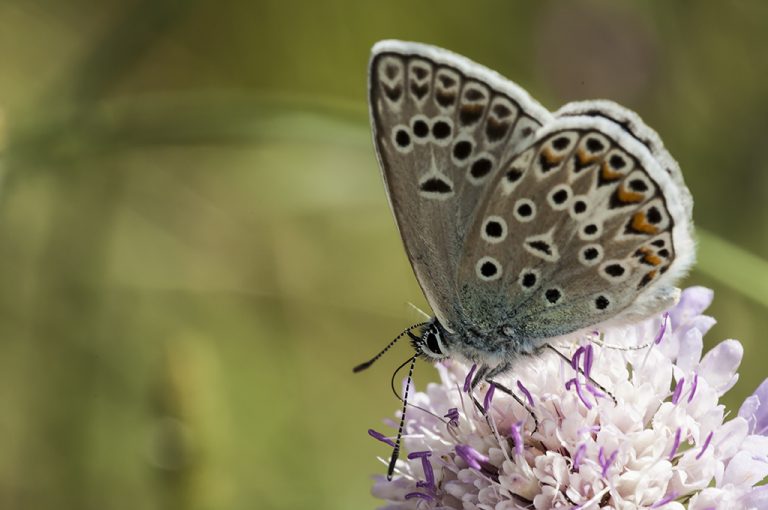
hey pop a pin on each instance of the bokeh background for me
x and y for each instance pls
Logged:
(195, 245)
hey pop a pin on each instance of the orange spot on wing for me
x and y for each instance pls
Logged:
(640, 224)
(629, 197)
(550, 158)
(584, 159)
(649, 257)
(608, 174)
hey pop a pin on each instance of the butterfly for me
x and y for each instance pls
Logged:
(521, 225)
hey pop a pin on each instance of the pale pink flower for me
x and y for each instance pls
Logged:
(665, 442)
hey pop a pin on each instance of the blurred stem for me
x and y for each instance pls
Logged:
(66, 320)
(733, 266)
(67, 314)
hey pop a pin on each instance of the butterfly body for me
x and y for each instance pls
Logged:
(522, 225)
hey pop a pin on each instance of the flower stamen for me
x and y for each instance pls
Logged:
(579, 456)
(525, 392)
(662, 329)
(704, 447)
(429, 473)
(575, 383)
(676, 443)
(453, 417)
(517, 437)
(419, 495)
(488, 397)
(678, 390)
(381, 437)
(666, 499)
(693, 387)
(605, 463)
(472, 457)
(468, 380)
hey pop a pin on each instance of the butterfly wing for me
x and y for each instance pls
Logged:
(442, 126)
(590, 223)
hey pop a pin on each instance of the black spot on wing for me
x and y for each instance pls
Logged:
(470, 113)
(481, 168)
(445, 99)
(393, 93)
(541, 246)
(419, 90)
(435, 185)
(462, 149)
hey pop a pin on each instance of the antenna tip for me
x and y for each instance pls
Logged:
(362, 366)
(392, 462)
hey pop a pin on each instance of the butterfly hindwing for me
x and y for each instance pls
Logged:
(442, 127)
(581, 227)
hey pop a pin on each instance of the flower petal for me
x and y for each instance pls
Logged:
(693, 301)
(755, 410)
(745, 470)
(719, 365)
(756, 499)
(689, 352)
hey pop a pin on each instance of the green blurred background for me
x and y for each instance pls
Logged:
(195, 245)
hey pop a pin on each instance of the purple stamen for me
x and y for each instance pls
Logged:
(468, 380)
(676, 443)
(472, 457)
(588, 356)
(527, 393)
(575, 382)
(577, 357)
(678, 390)
(453, 417)
(381, 437)
(517, 437)
(594, 429)
(579, 456)
(420, 495)
(666, 499)
(693, 387)
(662, 329)
(594, 391)
(606, 463)
(488, 397)
(429, 473)
(704, 448)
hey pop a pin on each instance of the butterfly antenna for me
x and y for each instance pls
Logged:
(396, 449)
(363, 366)
(397, 395)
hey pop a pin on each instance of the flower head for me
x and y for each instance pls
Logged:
(617, 428)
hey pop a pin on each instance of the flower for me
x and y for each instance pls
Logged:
(632, 422)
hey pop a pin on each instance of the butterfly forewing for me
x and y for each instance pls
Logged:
(443, 126)
(573, 231)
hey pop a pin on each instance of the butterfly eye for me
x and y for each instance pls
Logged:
(433, 347)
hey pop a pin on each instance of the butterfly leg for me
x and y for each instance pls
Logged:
(487, 374)
(479, 376)
(520, 401)
(569, 361)
(500, 369)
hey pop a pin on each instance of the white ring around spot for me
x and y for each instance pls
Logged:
(524, 219)
(483, 261)
(590, 262)
(491, 239)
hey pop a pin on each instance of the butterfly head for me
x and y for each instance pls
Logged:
(433, 343)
